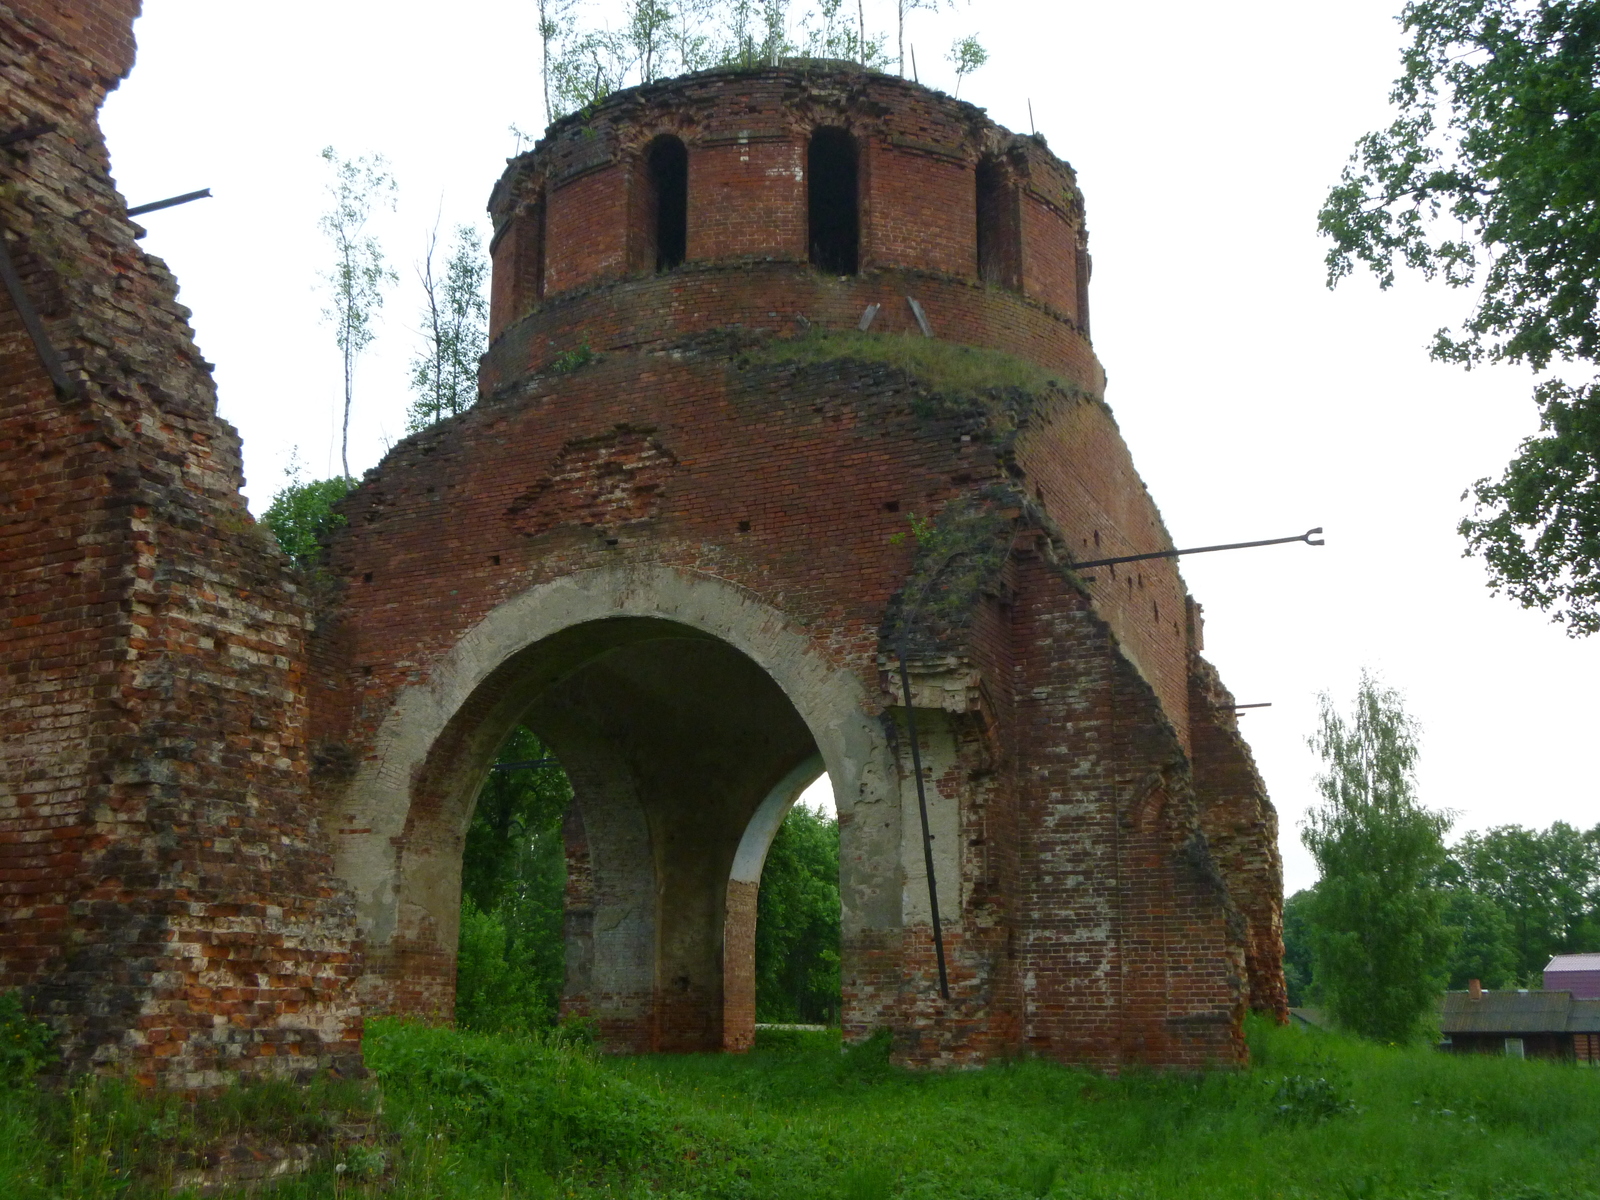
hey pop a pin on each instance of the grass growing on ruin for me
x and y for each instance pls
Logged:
(469, 1116)
(945, 366)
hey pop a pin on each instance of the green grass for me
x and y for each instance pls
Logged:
(472, 1115)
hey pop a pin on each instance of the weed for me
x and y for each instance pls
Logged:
(1306, 1100)
(1034, 1175)
(26, 1046)
(867, 1181)
(569, 361)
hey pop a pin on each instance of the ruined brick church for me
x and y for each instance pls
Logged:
(728, 470)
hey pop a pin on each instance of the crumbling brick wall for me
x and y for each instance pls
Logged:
(165, 897)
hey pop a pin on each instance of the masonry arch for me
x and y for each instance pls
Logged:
(661, 208)
(688, 716)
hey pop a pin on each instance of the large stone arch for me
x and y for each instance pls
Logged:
(687, 713)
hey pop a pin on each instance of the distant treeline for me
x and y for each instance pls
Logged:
(1514, 897)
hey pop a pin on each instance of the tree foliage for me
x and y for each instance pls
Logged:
(1489, 177)
(1375, 921)
(797, 922)
(359, 274)
(1533, 894)
(583, 62)
(511, 958)
(966, 56)
(455, 316)
(302, 515)
(1297, 965)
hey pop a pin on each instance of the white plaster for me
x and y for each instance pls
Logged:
(768, 817)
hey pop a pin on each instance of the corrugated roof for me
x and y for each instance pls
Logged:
(1518, 1012)
(1574, 962)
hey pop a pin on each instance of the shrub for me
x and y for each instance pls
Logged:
(26, 1046)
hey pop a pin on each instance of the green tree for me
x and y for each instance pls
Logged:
(455, 315)
(555, 26)
(1483, 941)
(1489, 177)
(1545, 886)
(1378, 937)
(511, 957)
(797, 922)
(1297, 968)
(966, 56)
(302, 515)
(359, 274)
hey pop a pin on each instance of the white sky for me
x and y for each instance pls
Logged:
(1256, 402)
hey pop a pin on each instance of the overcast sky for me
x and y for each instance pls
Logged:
(1257, 403)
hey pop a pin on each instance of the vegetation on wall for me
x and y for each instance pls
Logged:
(455, 330)
(302, 516)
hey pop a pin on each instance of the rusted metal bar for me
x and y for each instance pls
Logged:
(922, 807)
(33, 324)
(1128, 558)
(170, 202)
(27, 133)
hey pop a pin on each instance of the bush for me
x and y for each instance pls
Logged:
(301, 517)
(26, 1046)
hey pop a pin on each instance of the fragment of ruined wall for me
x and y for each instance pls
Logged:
(1242, 827)
(167, 902)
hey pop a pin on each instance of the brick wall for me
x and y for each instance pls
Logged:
(746, 133)
(165, 895)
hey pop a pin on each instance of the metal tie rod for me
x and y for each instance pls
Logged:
(1127, 558)
(170, 202)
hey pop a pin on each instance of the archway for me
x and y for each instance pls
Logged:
(687, 717)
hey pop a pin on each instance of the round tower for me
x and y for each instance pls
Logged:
(783, 200)
(790, 435)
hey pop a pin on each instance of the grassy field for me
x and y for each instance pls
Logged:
(465, 1116)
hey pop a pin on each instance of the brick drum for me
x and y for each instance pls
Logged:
(673, 539)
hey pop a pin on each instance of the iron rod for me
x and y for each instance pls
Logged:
(170, 202)
(1127, 558)
(922, 807)
(35, 327)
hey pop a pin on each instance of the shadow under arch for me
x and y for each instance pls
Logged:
(688, 716)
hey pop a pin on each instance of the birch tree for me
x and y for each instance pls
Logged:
(1376, 918)
(455, 313)
(359, 274)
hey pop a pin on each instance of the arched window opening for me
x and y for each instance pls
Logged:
(539, 253)
(999, 227)
(1085, 271)
(511, 957)
(668, 163)
(832, 204)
